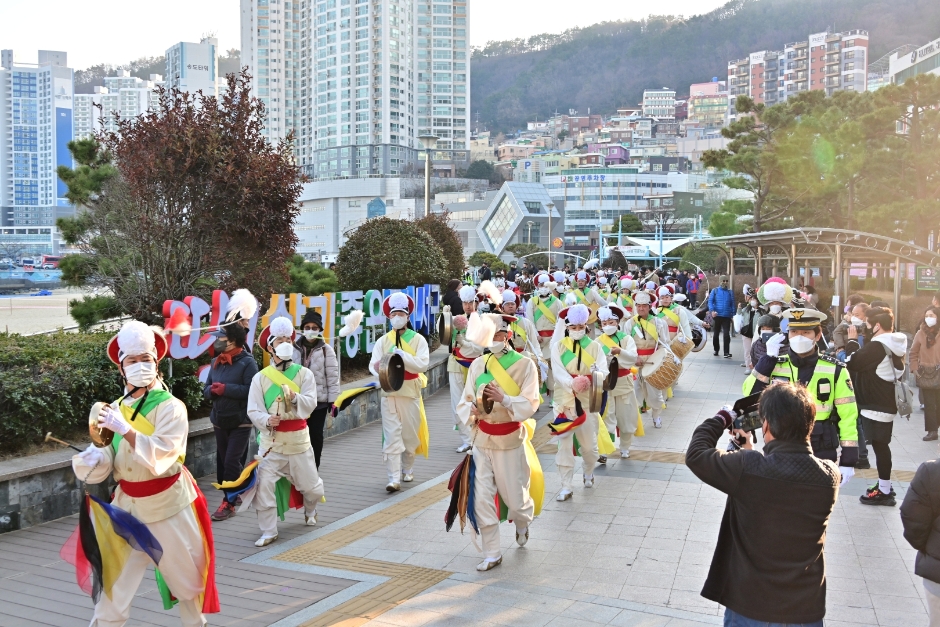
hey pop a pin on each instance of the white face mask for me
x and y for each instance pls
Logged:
(610, 329)
(561, 289)
(930, 321)
(498, 348)
(311, 334)
(857, 321)
(776, 309)
(141, 374)
(544, 291)
(399, 322)
(576, 335)
(284, 350)
(753, 302)
(801, 344)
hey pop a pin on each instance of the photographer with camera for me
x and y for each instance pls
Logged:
(768, 565)
(826, 380)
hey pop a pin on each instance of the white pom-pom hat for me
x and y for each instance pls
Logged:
(136, 338)
(509, 296)
(643, 298)
(242, 305)
(542, 279)
(581, 276)
(773, 290)
(468, 293)
(666, 290)
(611, 312)
(576, 314)
(399, 301)
(279, 327)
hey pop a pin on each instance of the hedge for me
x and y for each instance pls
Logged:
(49, 383)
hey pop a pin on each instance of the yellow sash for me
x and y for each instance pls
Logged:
(519, 330)
(536, 476)
(277, 377)
(424, 436)
(140, 424)
(580, 295)
(586, 358)
(545, 310)
(673, 316)
(649, 328)
(507, 383)
(608, 342)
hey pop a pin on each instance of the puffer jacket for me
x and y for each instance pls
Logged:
(920, 515)
(320, 359)
(721, 301)
(232, 406)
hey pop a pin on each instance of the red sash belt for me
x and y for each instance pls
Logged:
(546, 333)
(410, 376)
(292, 425)
(645, 352)
(141, 489)
(673, 329)
(499, 428)
(624, 372)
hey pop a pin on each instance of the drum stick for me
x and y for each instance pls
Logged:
(49, 438)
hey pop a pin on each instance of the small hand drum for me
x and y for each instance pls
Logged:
(445, 329)
(596, 393)
(391, 372)
(611, 381)
(101, 437)
(484, 403)
(699, 339)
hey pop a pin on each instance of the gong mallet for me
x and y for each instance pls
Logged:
(50, 438)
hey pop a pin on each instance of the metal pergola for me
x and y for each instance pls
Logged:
(835, 248)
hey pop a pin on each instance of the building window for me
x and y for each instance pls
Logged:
(353, 203)
(501, 221)
(533, 206)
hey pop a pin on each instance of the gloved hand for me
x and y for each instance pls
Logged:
(217, 389)
(774, 344)
(112, 419)
(847, 473)
(329, 420)
(727, 414)
(544, 368)
(682, 339)
(399, 351)
(91, 456)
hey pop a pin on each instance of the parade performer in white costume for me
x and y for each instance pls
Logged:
(623, 411)
(462, 355)
(648, 333)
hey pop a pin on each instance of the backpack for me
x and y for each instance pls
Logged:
(902, 394)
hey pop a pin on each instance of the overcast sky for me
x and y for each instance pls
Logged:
(112, 31)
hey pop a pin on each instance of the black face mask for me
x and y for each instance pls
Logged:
(219, 346)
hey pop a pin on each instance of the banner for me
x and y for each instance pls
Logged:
(332, 306)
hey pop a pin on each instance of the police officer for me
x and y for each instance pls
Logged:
(825, 378)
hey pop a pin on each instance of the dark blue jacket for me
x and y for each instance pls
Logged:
(237, 379)
(721, 301)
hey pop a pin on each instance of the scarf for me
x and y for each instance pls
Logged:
(930, 334)
(226, 357)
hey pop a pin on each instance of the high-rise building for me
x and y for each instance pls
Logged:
(825, 61)
(708, 104)
(659, 103)
(123, 94)
(358, 81)
(35, 129)
(194, 67)
(906, 64)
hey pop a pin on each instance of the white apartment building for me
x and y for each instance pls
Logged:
(35, 128)
(923, 60)
(122, 94)
(357, 81)
(593, 197)
(659, 103)
(194, 67)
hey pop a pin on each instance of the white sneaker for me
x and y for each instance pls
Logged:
(407, 477)
(589, 482)
(310, 520)
(265, 540)
(393, 487)
(624, 454)
(488, 564)
(747, 372)
(463, 448)
(658, 423)
(564, 495)
(522, 539)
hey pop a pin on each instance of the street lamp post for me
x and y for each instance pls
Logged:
(551, 210)
(428, 140)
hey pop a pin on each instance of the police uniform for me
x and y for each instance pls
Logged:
(827, 381)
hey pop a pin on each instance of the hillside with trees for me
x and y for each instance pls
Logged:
(607, 65)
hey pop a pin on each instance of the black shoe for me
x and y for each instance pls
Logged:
(602, 459)
(716, 353)
(931, 436)
(728, 356)
(875, 496)
(862, 464)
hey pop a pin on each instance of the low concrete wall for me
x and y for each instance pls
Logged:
(40, 488)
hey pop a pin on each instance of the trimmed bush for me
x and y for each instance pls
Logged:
(49, 383)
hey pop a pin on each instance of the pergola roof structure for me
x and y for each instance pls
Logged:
(837, 248)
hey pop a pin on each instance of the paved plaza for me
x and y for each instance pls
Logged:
(634, 550)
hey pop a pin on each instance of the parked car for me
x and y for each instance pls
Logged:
(48, 266)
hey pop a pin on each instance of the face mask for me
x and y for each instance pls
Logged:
(219, 346)
(141, 374)
(561, 289)
(856, 321)
(610, 329)
(284, 350)
(576, 335)
(776, 309)
(930, 321)
(498, 348)
(753, 302)
(399, 322)
(311, 335)
(801, 344)
(544, 291)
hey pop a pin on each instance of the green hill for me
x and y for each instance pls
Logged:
(608, 65)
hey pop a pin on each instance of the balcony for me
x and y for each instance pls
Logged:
(832, 70)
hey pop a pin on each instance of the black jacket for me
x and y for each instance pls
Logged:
(920, 515)
(511, 275)
(873, 382)
(452, 298)
(768, 564)
(232, 407)
(484, 274)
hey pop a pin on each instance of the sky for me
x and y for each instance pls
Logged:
(116, 32)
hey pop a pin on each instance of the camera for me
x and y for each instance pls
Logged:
(747, 418)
